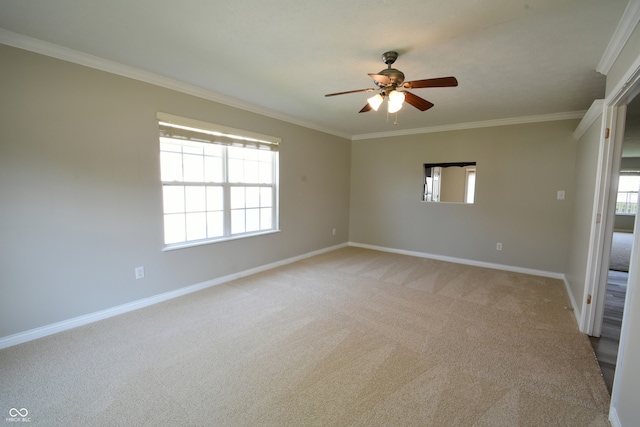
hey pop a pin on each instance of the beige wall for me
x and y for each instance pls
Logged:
(453, 183)
(519, 170)
(81, 202)
(625, 223)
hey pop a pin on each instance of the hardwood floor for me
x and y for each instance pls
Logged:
(606, 347)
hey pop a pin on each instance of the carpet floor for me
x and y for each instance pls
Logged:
(621, 246)
(353, 337)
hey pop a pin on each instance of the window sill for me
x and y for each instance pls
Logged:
(184, 245)
(446, 203)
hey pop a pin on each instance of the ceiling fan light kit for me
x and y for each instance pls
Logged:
(390, 80)
(375, 101)
(396, 99)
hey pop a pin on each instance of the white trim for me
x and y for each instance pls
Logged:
(75, 322)
(213, 127)
(574, 304)
(599, 241)
(55, 51)
(632, 285)
(471, 262)
(474, 125)
(613, 418)
(626, 86)
(627, 24)
(623, 92)
(595, 111)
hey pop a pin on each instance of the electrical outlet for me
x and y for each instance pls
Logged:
(139, 273)
(560, 195)
(498, 246)
(334, 231)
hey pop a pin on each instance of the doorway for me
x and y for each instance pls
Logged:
(625, 198)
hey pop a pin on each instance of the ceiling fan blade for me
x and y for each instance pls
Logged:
(352, 91)
(381, 79)
(437, 82)
(366, 108)
(416, 101)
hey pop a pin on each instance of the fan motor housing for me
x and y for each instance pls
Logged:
(395, 76)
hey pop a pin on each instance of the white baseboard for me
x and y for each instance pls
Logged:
(613, 417)
(574, 305)
(64, 325)
(530, 271)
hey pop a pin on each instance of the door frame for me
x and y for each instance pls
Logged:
(603, 219)
(610, 153)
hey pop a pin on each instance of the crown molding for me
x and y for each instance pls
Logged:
(473, 125)
(59, 52)
(590, 116)
(627, 24)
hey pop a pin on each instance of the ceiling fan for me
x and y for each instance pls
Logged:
(390, 80)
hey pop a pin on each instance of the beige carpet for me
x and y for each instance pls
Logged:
(351, 337)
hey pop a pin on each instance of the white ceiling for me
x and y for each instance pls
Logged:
(512, 58)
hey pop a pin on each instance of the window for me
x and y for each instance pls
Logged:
(627, 198)
(217, 183)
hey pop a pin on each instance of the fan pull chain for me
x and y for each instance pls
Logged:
(395, 121)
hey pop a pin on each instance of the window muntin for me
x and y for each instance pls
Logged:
(216, 187)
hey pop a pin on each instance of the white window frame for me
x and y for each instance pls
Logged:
(189, 131)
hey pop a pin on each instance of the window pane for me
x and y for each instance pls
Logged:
(251, 172)
(192, 147)
(213, 150)
(195, 201)
(253, 197)
(237, 221)
(174, 228)
(265, 156)
(196, 226)
(266, 197)
(266, 218)
(237, 197)
(215, 224)
(170, 166)
(627, 198)
(235, 152)
(167, 144)
(173, 198)
(213, 169)
(251, 154)
(215, 199)
(266, 173)
(253, 219)
(236, 170)
(193, 168)
(628, 183)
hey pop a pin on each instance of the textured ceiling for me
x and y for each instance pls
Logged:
(512, 58)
